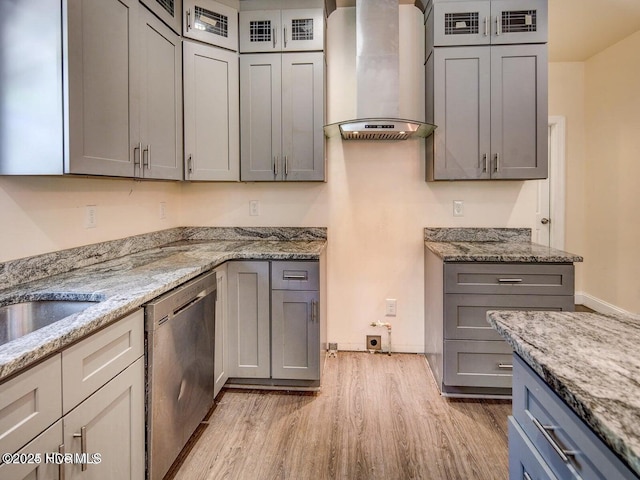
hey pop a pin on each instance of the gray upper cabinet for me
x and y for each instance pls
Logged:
(281, 117)
(290, 30)
(160, 100)
(490, 105)
(169, 11)
(211, 22)
(487, 22)
(211, 113)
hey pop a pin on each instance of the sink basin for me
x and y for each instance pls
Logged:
(20, 319)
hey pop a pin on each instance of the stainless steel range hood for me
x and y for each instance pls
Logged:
(378, 78)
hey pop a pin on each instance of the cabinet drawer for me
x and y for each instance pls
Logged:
(94, 361)
(474, 363)
(29, 403)
(509, 279)
(295, 275)
(524, 459)
(466, 315)
(534, 402)
(48, 441)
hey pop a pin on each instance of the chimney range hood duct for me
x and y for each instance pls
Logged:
(378, 78)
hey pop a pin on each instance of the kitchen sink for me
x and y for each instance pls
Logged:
(19, 319)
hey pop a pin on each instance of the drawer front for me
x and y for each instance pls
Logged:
(509, 279)
(295, 275)
(524, 460)
(536, 406)
(465, 316)
(94, 361)
(29, 403)
(472, 363)
(32, 466)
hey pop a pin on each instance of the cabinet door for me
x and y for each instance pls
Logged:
(295, 345)
(248, 294)
(161, 99)
(302, 29)
(462, 111)
(260, 31)
(211, 113)
(169, 11)
(260, 117)
(103, 86)
(519, 21)
(303, 116)
(112, 422)
(211, 22)
(519, 111)
(220, 351)
(49, 441)
(462, 23)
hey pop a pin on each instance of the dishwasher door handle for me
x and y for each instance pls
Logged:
(193, 301)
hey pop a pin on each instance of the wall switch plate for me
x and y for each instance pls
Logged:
(374, 342)
(391, 307)
(254, 208)
(90, 216)
(163, 210)
(458, 208)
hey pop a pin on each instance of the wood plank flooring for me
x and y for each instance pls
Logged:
(376, 417)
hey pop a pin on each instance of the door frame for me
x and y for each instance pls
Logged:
(557, 179)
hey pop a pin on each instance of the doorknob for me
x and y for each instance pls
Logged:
(544, 221)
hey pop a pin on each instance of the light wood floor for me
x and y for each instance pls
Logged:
(377, 417)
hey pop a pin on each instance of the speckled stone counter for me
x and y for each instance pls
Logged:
(508, 245)
(592, 362)
(127, 276)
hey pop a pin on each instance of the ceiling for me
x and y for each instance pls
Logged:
(578, 29)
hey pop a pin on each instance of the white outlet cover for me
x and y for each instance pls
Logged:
(90, 216)
(458, 208)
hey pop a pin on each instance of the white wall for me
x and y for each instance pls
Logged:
(375, 205)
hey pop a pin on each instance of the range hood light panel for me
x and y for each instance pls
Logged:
(379, 129)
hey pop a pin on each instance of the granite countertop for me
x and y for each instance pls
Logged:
(124, 283)
(591, 361)
(507, 245)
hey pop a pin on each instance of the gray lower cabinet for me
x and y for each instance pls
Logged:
(274, 322)
(547, 440)
(211, 113)
(466, 355)
(221, 347)
(282, 117)
(490, 105)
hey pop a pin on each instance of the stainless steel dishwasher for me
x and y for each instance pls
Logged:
(179, 334)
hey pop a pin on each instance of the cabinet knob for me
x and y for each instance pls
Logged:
(545, 221)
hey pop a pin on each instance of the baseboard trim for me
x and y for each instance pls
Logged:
(359, 347)
(600, 306)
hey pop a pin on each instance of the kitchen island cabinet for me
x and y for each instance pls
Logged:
(575, 398)
(466, 278)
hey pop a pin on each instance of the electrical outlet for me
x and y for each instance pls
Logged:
(254, 208)
(458, 208)
(374, 342)
(90, 216)
(163, 210)
(391, 307)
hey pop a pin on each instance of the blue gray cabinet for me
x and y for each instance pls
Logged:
(466, 356)
(281, 117)
(547, 440)
(486, 89)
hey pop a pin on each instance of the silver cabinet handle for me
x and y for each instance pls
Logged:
(526, 476)
(505, 366)
(544, 430)
(486, 26)
(484, 163)
(314, 311)
(274, 33)
(286, 166)
(275, 165)
(496, 162)
(61, 472)
(83, 444)
(291, 276)
(284, 38)
(188, 20)
(509, 280)
(498, 25)
(148, 162)
(137, 163)
(190, 164)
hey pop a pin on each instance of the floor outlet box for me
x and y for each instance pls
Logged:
(374, 342)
